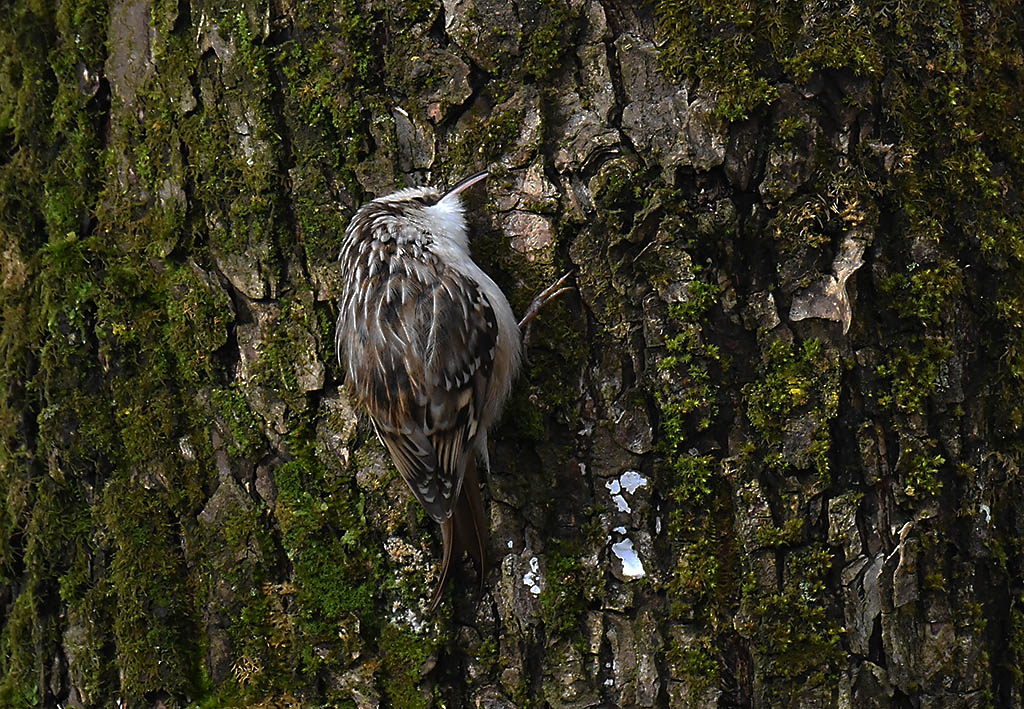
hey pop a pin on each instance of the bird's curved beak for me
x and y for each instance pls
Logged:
(465, 184)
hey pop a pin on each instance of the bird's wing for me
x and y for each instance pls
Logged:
(420, 354)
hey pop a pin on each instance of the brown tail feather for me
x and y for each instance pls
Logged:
(466, 530)
(446, 561)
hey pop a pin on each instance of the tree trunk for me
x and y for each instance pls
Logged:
(767, 454)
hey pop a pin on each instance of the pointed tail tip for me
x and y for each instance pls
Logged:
(448, 540)
(466, 530)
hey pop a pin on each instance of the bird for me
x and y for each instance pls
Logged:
(429, 348)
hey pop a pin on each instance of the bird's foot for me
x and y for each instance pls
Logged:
(553, 291)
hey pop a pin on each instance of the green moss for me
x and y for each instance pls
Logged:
(921, 474)
(715, 42)
(925, 293)
(952, 101)
(153, 627)
(694, 578)
(1017, 638)
(794, 630)
(404, 655)
(702, 590)
(542, 396)
(325, 537)
(688, 395)
(797, 382)
(692, 478)
(285, 351)
(698, 665)
(20, 685)
(913, 373)
(106, 348)
(198, 317)
(487, 654)
(618, 194)
(836, 41)
(841, 200)
(548, 42)
(688, 388)
(739, 51)
(790, 533)
(246, 434)
(569, 591)
(264, 647)
(482, 141)
(690, 361)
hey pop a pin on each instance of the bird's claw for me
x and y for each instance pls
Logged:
(556, 289)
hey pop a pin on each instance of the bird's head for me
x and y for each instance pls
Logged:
(429, 211)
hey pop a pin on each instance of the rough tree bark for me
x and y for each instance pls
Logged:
(767, 455)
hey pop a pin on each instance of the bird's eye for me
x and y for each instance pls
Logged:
(425, 200)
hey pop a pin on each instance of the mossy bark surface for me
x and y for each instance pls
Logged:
(767, 454)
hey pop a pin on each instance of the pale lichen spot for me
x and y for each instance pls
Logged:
(531, 578)
(632, 567)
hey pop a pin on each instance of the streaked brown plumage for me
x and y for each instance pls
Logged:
(430, 348)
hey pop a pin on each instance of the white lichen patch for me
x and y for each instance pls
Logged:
(532, 577)
(631, 480)
(402, 553)
(628, 482)
(620, 502)
(632, 568)
(401, 614)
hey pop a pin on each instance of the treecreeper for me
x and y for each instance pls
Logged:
(430, 348)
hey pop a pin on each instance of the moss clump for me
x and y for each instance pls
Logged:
(1017, 638)
(797, 382)
(404, 656)
(794, 629)
(925, 293)
(703, 590)
(328, 126)
(698, 664)
(921, 474)
(20, 687)
(153, 625)
(618, 194)
(687, 395)
(695, 577)
(569, 591)
(789, 534)
(264, 646)
(483, 141)
(834, 41)
(198, 317)
(548, 42)
(692, 478)
(716, 44)
(811, 225)
(913, 372)
(740, 51)
(245, 435)
(289, 352)
(321, 532)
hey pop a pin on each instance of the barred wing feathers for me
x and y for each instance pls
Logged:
(420, 353)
